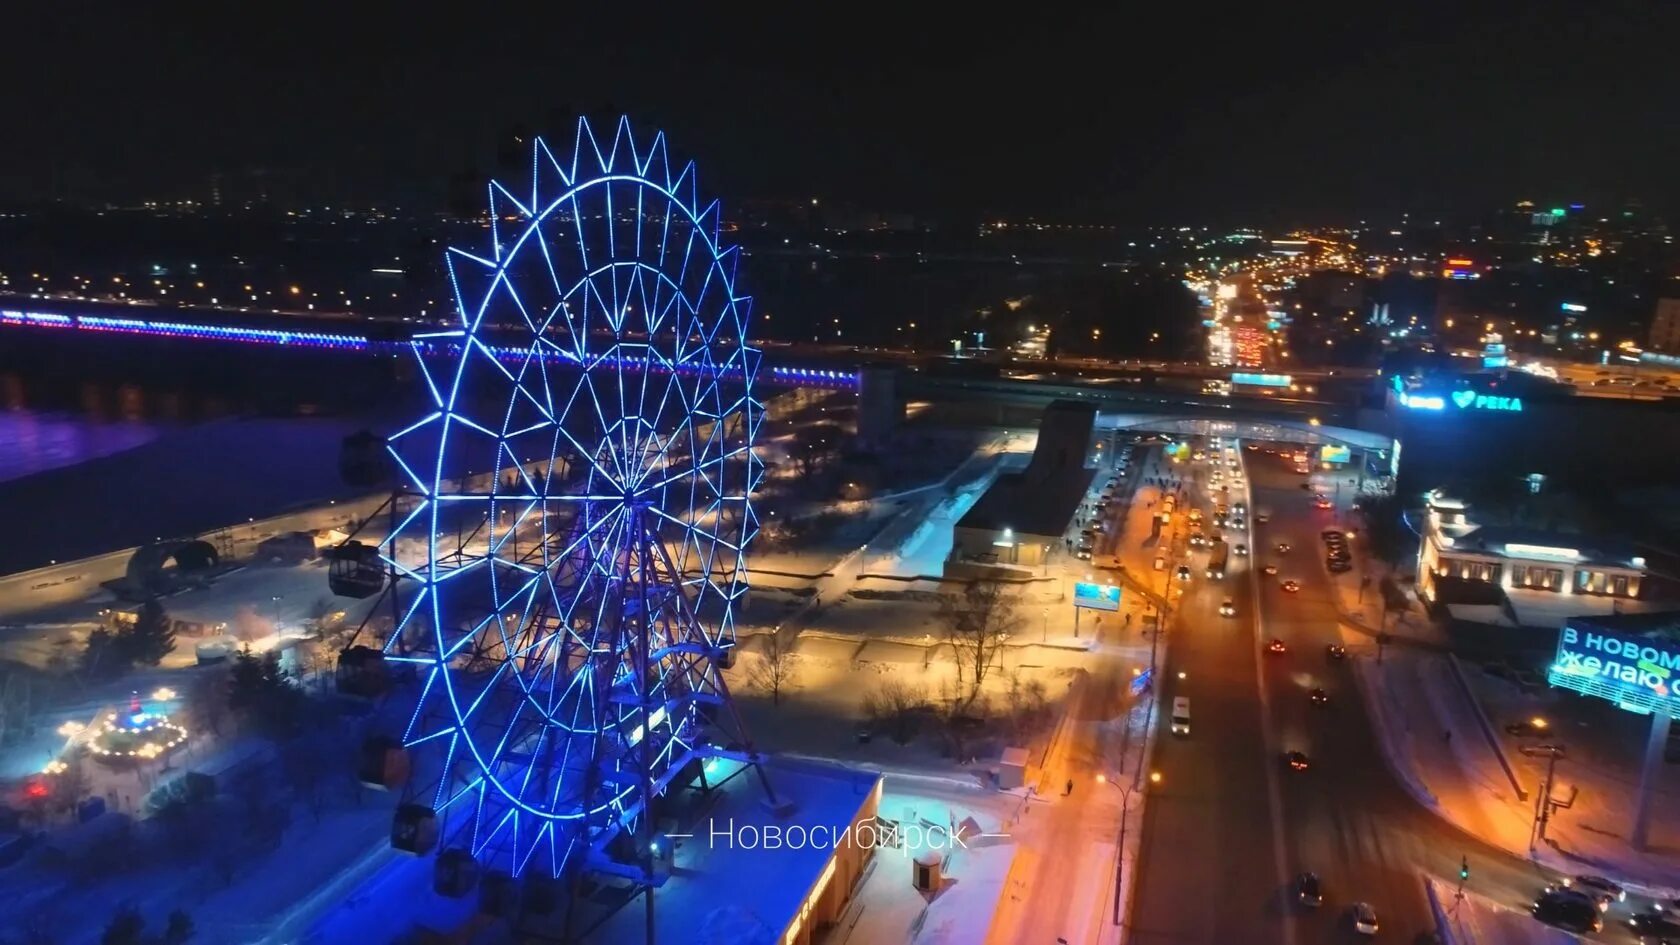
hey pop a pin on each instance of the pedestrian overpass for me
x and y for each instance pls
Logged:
(1178, 413)
(1281, 430)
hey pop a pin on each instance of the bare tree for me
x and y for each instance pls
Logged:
(208, 701)
(978, 619)
(895, 703)
(776, 665)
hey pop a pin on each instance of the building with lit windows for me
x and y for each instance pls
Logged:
(1665, 327)
(1453, 545)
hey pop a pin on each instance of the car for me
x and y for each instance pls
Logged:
(1253, 446)
(1283, 547)
(1336, 651)
(1296, 760)
(1241, 508)
(1183, 572)
(1269, 570)
(1308, 891)
(1528, 727)
(1338, 565)
(1084, 554)
(1332, 535)
(1276, 646)
(1364, 918)
(1227, 609)
(1319, 697)
(1323, 503)
(1239, 549)
(1597, 887)
(1262, 518)
(1291, 586)
(1655, 928)
(1568, 909)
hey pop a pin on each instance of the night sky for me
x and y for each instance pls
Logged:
(1292, 112)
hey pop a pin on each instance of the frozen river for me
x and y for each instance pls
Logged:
(39, 441)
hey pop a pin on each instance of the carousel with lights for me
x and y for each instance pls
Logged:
(134, 736)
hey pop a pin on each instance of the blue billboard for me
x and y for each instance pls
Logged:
(1096, 596)
(1635, 672)
(1262, 380)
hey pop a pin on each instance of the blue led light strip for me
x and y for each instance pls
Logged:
(431, 345)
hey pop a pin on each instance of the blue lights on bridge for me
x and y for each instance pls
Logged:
(430, 344)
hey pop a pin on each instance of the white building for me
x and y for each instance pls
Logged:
(1454, 545)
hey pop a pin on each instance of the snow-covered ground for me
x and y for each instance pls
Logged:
(1414, 699)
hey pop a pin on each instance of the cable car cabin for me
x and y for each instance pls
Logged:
(384, 763)
(355, 570)
(414, 829)
(454, 873)
(361, 672)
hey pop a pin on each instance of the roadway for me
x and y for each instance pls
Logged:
(1231, 825)
(1207, 871)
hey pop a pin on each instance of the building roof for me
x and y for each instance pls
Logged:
(723, 891)
(1041, 499)
(1533, 544)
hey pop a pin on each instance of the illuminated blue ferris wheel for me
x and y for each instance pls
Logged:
(577, 545)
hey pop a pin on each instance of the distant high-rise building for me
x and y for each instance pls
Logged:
(1665, 327)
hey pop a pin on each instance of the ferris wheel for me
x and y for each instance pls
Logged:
(583, 476)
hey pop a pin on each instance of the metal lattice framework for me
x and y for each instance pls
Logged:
(584, 485)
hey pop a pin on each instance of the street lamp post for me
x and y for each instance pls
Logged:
(1126, 792)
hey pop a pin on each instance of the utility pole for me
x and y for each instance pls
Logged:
(1543, 804)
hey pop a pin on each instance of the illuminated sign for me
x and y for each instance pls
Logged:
(1636, 673)
(1573, 307)
(1422, 401)
(1096, 596)
(1462, 399)
(1541, 551)
(1263, 380)
(1459, 262)
(1334, 454)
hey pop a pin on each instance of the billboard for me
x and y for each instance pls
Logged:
(1635, 672)
(1262, 380)
(1096, 596)
(1331, 453)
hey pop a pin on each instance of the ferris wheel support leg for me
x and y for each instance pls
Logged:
(715, 679)
(644, 750)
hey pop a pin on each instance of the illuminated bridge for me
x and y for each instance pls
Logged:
(431, 344)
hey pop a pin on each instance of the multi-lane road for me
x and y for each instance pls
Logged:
(1230, 824)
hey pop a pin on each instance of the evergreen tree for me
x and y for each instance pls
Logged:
(126, 928)
(179, 930)
(103, 658)
(261, 691)
(151, 638)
